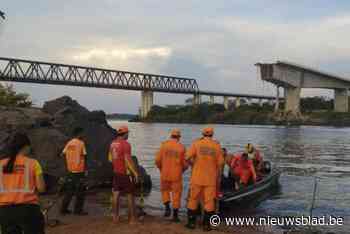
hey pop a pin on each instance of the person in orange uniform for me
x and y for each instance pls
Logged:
(243, 170)
(75, 158)
(206, 157)
(255, 155)
(21, 178)
(170, 160)
(125, 173)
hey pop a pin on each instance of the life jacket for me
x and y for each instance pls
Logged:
(242, 168)
(18, 187)
(74, 156)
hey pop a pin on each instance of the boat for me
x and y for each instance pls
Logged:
(252, 194)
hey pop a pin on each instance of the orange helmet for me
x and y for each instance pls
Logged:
(175, 132)
(208, 131)
(123, 129)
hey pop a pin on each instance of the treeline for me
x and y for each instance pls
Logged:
(10, 98)
(245, 114)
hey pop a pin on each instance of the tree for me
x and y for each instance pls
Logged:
(9, 97)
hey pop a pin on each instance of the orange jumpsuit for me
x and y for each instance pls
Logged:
(170, 160)
(207, 159)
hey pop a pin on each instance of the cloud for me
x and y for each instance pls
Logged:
(216, 42)
(122, 53)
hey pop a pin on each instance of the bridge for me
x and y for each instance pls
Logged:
(27, 71)
(293, 77)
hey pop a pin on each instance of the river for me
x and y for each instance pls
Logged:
(303, 153)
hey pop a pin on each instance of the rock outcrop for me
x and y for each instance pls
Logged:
(51, 127)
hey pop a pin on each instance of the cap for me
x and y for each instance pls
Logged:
(123, 129)
(208, 131)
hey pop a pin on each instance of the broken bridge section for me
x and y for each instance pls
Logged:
(293, 77)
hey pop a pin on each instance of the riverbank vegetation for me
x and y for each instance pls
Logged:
(10, 98)
(314, 111)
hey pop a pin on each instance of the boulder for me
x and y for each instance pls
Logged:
(50, 128)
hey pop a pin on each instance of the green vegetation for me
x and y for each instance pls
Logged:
(9, 98)
(315, 111)
(206, 113)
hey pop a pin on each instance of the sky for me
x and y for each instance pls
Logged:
(216, 42)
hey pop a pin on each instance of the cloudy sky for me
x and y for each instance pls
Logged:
(216, 42)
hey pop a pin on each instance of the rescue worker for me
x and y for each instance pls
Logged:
(75, 158)
(125, 173)
(207, 161)
(243, 170)
(255, 155)
(21, 179)
(170, 160)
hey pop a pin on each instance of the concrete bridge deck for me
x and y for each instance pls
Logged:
(293, 77)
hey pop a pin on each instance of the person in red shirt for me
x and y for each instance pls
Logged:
(125, 173)
(243, 170)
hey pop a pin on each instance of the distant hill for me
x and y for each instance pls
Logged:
(120, 116)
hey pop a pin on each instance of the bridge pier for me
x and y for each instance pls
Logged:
(261, 102)
(226, 103)
(238, 102)
(147, 102)
(211, 100)
(292, 100)
(341, 100)
(197, 99)
(277, 101)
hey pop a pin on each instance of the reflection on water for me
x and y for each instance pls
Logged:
(302, 152)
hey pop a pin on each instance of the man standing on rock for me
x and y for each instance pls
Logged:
(75, 157)
(170, 160)
(206, 157)
(125, 173)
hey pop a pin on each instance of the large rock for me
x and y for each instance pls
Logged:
(50, 128)
(68, 115)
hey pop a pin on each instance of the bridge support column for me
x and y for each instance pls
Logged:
(261, 103)
(238, 102)
(197, 99)
(292, 100)
(277, 101)
(249, 101)
(147, 103)
(341, 100)
(226, 103)
(211, 100)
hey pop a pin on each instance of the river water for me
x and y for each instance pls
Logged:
(304, 154)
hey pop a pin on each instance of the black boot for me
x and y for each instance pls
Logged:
(191, 219)
(167, 212)
(206, 221)
(176, 216)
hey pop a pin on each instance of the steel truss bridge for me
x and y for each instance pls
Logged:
(27, 71)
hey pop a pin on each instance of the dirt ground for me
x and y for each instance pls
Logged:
(150, 225)
(99, 222)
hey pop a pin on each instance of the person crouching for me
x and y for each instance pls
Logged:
(243, 170)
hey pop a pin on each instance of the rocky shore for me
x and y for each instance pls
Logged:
(50, 127)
